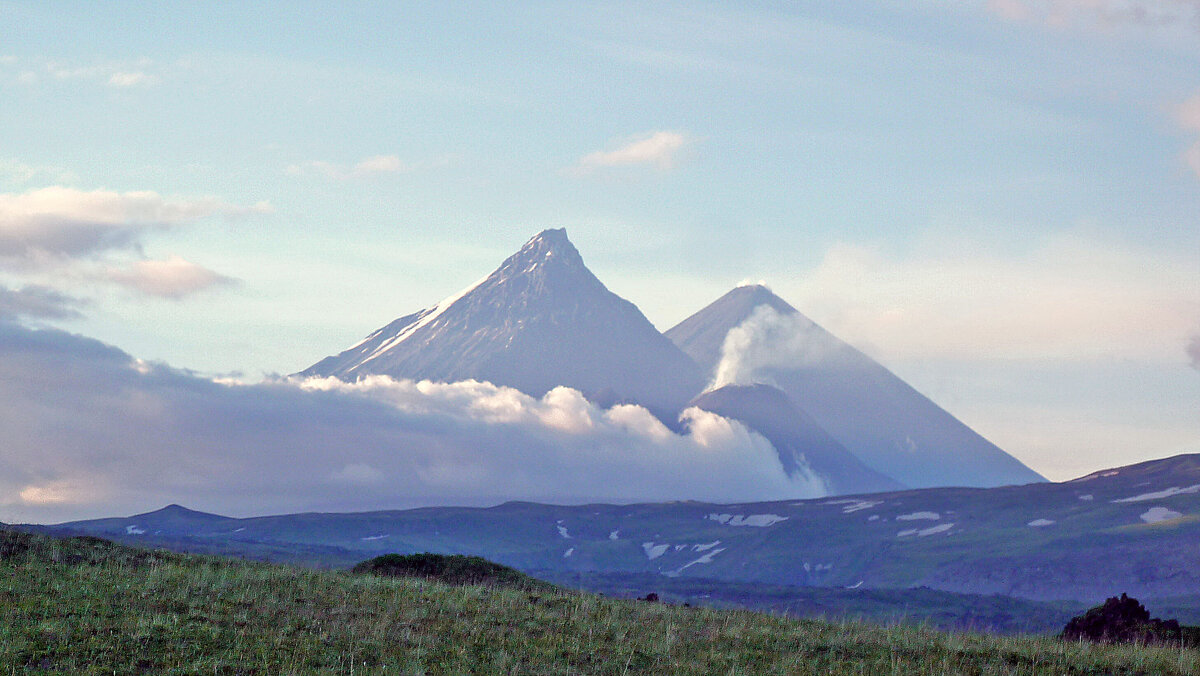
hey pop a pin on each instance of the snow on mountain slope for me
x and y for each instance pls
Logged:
(541, 320)
(875, 415)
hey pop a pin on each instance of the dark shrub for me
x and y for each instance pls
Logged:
(1124, 620)
(453, 569)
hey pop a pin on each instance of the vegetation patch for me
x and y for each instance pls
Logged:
(451, 569)
(1125, 620)
(68, 609)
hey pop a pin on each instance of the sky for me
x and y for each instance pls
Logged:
(998, 200)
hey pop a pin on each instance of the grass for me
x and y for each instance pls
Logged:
(87, 606)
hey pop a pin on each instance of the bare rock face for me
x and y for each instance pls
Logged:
(1121, 620)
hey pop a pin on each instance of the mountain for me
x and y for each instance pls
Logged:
(799, 440)
(1131, 529)
(539, 321)
(874, 414)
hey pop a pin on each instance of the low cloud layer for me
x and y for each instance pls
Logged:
(91, 431)
(657, 149)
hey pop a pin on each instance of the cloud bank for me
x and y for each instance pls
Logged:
(91, 431)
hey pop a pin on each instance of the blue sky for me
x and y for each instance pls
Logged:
(998, 200)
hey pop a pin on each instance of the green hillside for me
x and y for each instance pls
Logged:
(84, 605)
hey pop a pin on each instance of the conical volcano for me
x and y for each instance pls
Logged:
(541, 320)
(875, 415)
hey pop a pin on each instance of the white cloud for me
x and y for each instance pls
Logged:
(1068, 297)
(131, 79)
(120, 74)
(21, 173)
(378, 164)
(1188, 116)
(91, 431)
(57, 223)
(368, 166)
(171, 278)
(1103, 14)
(658, 149)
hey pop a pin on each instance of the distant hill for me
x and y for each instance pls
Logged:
(1130, 529)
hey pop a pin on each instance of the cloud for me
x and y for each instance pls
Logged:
(120, 74)
(22, 173)
(368, 166)
(1069, 297)
(171, 278)
(53, 224)
(91, 431)
(1103, 14)
(131, 79)
(768, 340)
(1188, 117)
(37, 302)
(658, 149)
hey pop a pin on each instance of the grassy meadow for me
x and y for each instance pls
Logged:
(87, 606)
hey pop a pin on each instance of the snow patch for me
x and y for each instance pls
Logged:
(654, 551)
(873, 517)
(919, 516)
(860, 505)
(922, 532)
(562, 531)
(758, 520)
(238, 530)
(1038, 523)
(707, 558)
(1156, 514)
(856, 585)
(700, 548)
(1086, 498)
(569, 552)
(374, 537)
(134, 530)
(614, 535)
(1165, 493)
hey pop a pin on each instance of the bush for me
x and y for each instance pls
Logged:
(453, 569)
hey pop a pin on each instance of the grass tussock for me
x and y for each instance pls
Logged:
(89, 607)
